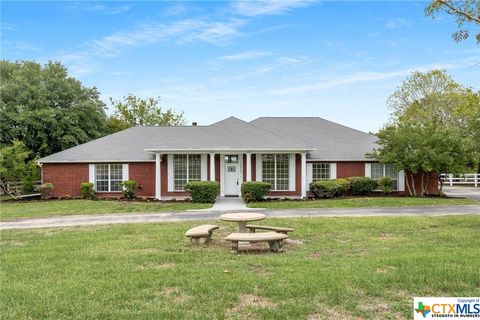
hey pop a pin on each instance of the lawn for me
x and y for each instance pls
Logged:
(38, 208)
(361, 202)
(346, 268)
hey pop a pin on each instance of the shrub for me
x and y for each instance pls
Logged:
(129, 188)
(344, 186)
(44, 189)
(203, 191)
(362, 186)
(325, 188)
(28, 185)
(386, 184)
(255, 190)
(86, 190)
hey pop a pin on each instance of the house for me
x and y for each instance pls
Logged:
(288, 152)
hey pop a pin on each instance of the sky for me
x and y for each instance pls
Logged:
(339, 60)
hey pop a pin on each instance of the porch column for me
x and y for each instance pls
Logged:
(212, 166)
(304, 175)
(249, 167)
(158, 176)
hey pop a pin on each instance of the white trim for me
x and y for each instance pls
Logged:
(212, 166)
(304, 175)
(258, 167)
(231, 151)
(368, 170)
(125, 172)
(203, 167)
(309, 173)
(222, 175)
(93, 161)
(333, 171)
(249, 166)
(291, 172)
(170, 182)
(158, 176)
(401, 180)
(91, 174)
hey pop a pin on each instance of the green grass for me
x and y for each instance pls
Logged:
(346, 268)
(361, 202)
(28, 209)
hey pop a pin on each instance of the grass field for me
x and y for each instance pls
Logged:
(361, 202)
(346, 268)
(39, 208)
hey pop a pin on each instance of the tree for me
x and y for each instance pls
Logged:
(434, 127)
(46, 109)
(466, 12)
(133, 111)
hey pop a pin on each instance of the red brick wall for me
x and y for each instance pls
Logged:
(432, 187)
(254, 167)
(350, 169)
(66, 177)
(144, 174)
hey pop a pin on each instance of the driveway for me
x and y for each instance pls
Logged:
(69, 221)
(462, 192)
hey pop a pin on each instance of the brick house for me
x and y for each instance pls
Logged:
(288, 152)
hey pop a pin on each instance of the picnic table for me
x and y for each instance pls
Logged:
(242, 219)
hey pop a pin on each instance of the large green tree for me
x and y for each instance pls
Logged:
(133, 111)
(434, 127)
(46, 109)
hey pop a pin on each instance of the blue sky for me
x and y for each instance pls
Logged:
(336, 60)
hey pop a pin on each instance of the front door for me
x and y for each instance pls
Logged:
(232, 175)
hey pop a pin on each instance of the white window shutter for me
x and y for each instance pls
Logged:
(203, 170)
(258, 167)
(368, 170)
(91, 173)
(125, 172)
(333, 171)
(401, 180)
(291, 172)
(169, 172)
(309, 173)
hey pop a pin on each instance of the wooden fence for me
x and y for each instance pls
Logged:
(17, 187)
(466, 179)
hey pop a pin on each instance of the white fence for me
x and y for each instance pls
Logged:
(461, 179)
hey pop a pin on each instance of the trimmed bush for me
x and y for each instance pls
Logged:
(362, 186)
(255, 190)
(129, 188)
(86, 190)
(44, 189)
(386, 184)
(344, 186)
(203, 191)
(325, 188)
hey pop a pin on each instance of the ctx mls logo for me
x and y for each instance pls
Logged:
(423, 309)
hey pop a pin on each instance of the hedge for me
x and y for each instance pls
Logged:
(255, 190)
(44, 189)
(203, 191)
(325, 188)
(386, 183)
(344, 186)
(362, 186)
(86, 190)
(129, 188)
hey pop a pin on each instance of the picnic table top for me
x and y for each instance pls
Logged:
(242, 216)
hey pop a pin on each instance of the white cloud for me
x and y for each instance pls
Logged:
(397, 23)
(267, 7)
(100, 8)
(246, 55)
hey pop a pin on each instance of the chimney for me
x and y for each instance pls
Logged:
(194, 124)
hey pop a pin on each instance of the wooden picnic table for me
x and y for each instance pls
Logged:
(242, 218)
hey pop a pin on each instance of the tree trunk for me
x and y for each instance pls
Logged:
(408, 185)
(441, 182)
(413, 184)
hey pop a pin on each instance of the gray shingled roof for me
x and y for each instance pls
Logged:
(330, 140)
(324, 139)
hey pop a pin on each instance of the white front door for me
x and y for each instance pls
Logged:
(232, 175)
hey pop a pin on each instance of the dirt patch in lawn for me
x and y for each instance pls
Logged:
(246, 305)
(174, 294)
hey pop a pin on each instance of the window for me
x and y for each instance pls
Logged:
(275, 170)
(108, 177)
(320, 171)
(380, 170)
(186, 168)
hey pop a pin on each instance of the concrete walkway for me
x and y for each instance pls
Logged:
(68, 221)
(462, 192)
(227, 205)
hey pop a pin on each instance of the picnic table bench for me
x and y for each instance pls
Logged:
(201, 234)
(274, 239)
(284, 230)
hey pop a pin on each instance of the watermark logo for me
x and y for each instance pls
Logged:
(442, 307)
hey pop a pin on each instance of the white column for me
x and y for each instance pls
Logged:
(249, 167)
(158, 181)
(212, 166)
(304, 175)
(475, 176)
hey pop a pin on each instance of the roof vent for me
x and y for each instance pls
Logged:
(194, 124)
